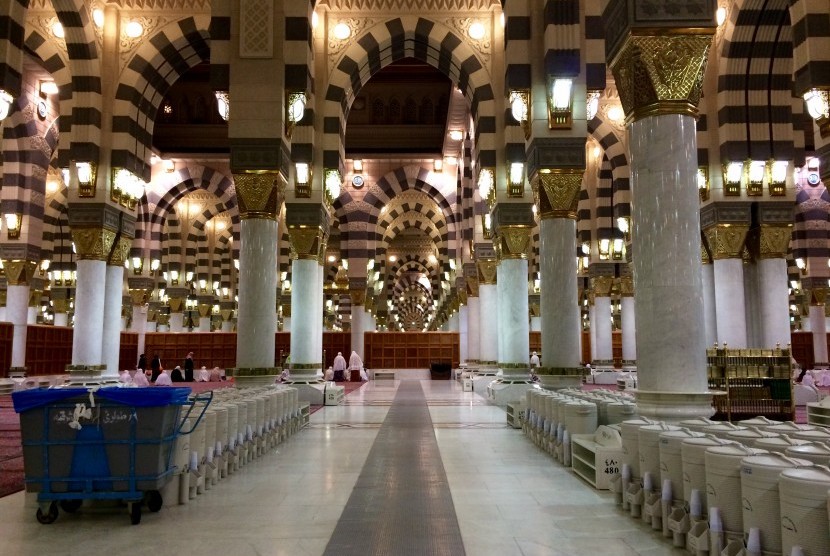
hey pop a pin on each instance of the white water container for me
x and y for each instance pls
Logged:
(760, 422)
(748, 437)
(721, 430)
(233, 420)
(242, 422)
(778, 444)
(804, 520)
(789, 428)
(698, 424)
(692, 454)
(209, 421)
(629, 432)
(671, 462)
(619, 411)
(819, 454)
(649, 447)
(819, 434)
(759, 494)
(580, 417)
(723, 483)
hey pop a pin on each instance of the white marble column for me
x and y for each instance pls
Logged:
(139, 325)
(176, 323)
(671, 342)
(592, 317)
(559, 298)
(710, 315)
(318, 322)
(473, 328)
(31, 315)
(17, 309)
(502, 311)
(513, 325)
(452, 323)
(358, 328)
(818, 326)
(306, 324)
(602, 308)
(204, 324)
(111, 336)
(227, 326)
(535, 324)
(286, 324)
(89, 312)
(61, 319)
(463, 332)
(774, 300)
(730, 303)
(488, 325)
(628, 321)
(257, 291)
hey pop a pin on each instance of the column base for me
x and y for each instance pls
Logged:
(251, 377)
(555, 378)
(674, 406)
(487, 368)
(502, 392)
(89, 375)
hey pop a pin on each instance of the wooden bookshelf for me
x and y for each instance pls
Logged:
(48, 349)
(6, 335)
(535, 341)
(586, 346)
(210, 349)
(616, 348)
(410, 350)
(128, 353)
(802, 349)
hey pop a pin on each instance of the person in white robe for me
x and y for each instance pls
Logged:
(339, 367)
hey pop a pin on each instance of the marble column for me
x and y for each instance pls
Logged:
(205, 311)
(726, 244)
(452, 323)
(535, 323)
(818, 326)
(60, 305)
(18, 277)
(259, 201)
(473, 314)
(774, 287)
(592, 318)
(89, 312)
(671, 347)
(489, 306)
(139, 324)
(502, 310)
(602, 312)
(628, 321)
(558, 189)
(111, 337)
(463, 332)
(710, 317)
(303, 292)
(176, 323)
(357, 293)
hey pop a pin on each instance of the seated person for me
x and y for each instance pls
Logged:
(329, 375)
(140, 378)
(176, 375)
(204, 375)
(125, 378)
(215, 375)
(164, 379)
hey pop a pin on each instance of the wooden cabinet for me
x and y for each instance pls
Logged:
(48, 349)
(6, 334)
(536, 342)
(210, 349)
(616, 348)
(128, 354)
(410, 350)
(802, 349)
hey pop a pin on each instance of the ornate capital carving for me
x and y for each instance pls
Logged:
(307, 243)
(176, 304)
(259, 194)
(627, 286)
(472, 285)
(818, 296)
(121, 253)
(726, 241)
(661, 74)
(19, 273)
(775, 240)
(93, 243)
(514, 242)
(358, 296)
(34, 297)
(487, 271)
(557, 192)
(139, 296)
(286, 310)
(704, 255)
(602, 285)
(204, 309)
(60, 305)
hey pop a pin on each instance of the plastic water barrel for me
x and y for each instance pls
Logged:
(819, 454)
(619, 411)
(649, 447)
(721, 430)
(749, 437)
(209, 420)
(804, 520)
(819, 434)
(698, 424)
(723, 483)
(233, 420)
(789, 428)
(629, 432)
(779, 444)
(671, 461)
(692, 454)
(580, 417)
(222, 424)
(760, 422)
(759, 495)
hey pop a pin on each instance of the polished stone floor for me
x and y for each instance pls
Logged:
(509, 498)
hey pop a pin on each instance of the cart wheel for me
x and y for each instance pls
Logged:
(153, 500)
(48, 517)
(135, 513)
(71, 506)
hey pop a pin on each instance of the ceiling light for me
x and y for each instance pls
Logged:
(342, 31)
(357, 165)
(476, 31)
(98, 17)
(134, 29)
(456, 135)
(57, 30)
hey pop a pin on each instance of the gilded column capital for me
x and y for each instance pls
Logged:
(704, 255)
(307, 242)
(121, 253)
(93, 243)
(176, 304)
(534, 310)
(556, 192)
(775, 240)
(818, 296)
(472, 285)
(358, 296)
(602, 285)
(487, 271)
(204, 309)
(514, 242)
(60, 305)
(661, 73)
(627, 286)
(726, 241)
(286, 310)
(139, 296)
(259, 194)
(19, 273)
(35, 297)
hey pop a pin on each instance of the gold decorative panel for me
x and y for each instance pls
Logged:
(258, 194)
(486, 271)
(726, 241)
(19, 273)
(775, 241)
(93, 244)
(557, 193)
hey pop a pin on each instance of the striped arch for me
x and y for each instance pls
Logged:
(811, 44)
(157, 64)
(156, 205)
(412, 263)
(811, 231)
(85, 66)
(11, 61)
(55, 62)
(406, 217)
(614, 150)
(57, 240)
(603, 202)
(755, 87)
(408, 37)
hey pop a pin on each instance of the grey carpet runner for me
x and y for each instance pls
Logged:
(401, 503)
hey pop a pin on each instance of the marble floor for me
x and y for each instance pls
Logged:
(509, 497)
